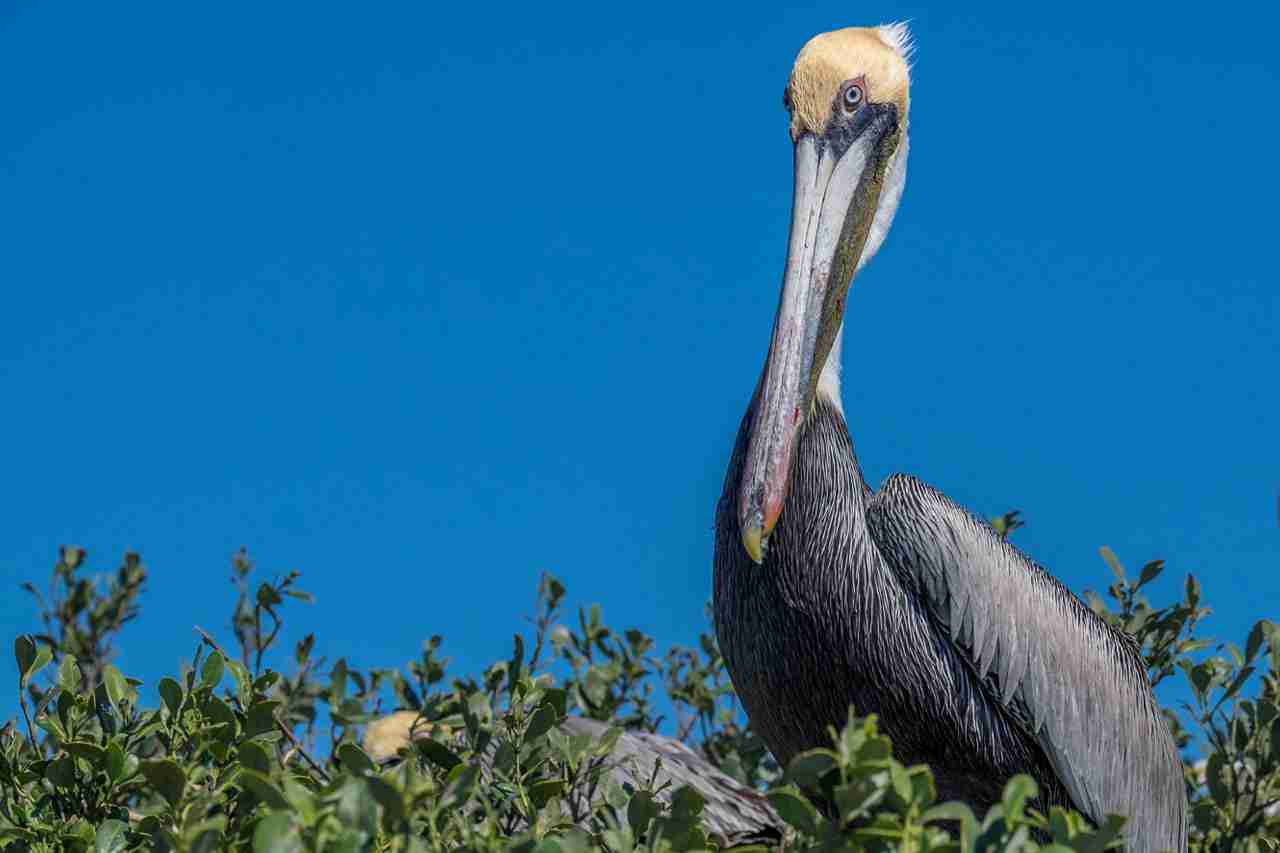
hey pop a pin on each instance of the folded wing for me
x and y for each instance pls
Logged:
(1074, 682)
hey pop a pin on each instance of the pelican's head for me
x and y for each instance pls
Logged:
(848, 97)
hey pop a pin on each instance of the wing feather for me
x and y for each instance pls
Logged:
(1075, 682)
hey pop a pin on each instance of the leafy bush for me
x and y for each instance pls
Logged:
(550, 750)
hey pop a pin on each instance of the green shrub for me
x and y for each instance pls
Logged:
(230, 753)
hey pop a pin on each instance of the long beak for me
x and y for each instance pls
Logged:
(836, 193)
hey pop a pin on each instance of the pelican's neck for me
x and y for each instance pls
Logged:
(894, 182)
(829, 379)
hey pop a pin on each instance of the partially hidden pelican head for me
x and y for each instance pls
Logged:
(848, 96)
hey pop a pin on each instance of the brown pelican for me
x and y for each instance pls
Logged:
(899, 602)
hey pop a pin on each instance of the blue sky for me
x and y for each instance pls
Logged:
(424, 300)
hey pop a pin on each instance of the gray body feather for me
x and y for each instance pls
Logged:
(976, 661)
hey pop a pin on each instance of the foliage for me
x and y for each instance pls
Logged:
(1236, 799)
(225, 755)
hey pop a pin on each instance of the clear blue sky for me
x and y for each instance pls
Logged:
(425, 299)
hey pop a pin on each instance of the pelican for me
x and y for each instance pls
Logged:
(898, 602)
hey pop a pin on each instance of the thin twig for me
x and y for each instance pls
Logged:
(279, 723)
(31, 731)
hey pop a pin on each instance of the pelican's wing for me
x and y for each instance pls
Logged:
(1076, 683)
(734, 814)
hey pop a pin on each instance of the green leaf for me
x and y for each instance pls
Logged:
(642, 809)
(208, 841)
(266, 681)
(105, 709)
(478, 705)
(211, 672)
(1114, 562)
(254, 756)
(268, 597)
(577, 841)
(543, 719)
(69, 674)
(951, 811)
(557, 698)
(355, 841)
(61, 771)
(604, 746)
(460, 783)
(858, 797)
(91, 752)
(117, 687)
(65, 705)
(541, 792)
(166, 777)
(276, 833)
(350, 712)
(1204, 815)
(516, 664)
(171, 694)
(302, 799)
(53, 726)
(578, 746)
(901, 785)
(1213, 777)
(596, 687)
(437, 753)
(263, 788)
(1060, 824)
(794, 809)
(356, 807)
(1272, 631)
(111, 837)
(8, 833)
(115, 761)
(244, 683)
(80, 832)
(1254, 644)
(261, 718)
(546, 845)
(808, 768)
(877, 750)
(1102, 836)
(614, 794)
(1241, 732)
(559, 744)
(387, 796)
(1241, 677)
(1150, 571)
(355, 760)
(1201, 677)
(43, 655)
(686, 802)
(220, 713)
(1017, 791)
(24, 653)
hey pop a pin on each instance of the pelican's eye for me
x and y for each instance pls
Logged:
(853, 96)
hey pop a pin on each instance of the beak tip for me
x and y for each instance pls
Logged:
(754, 542)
